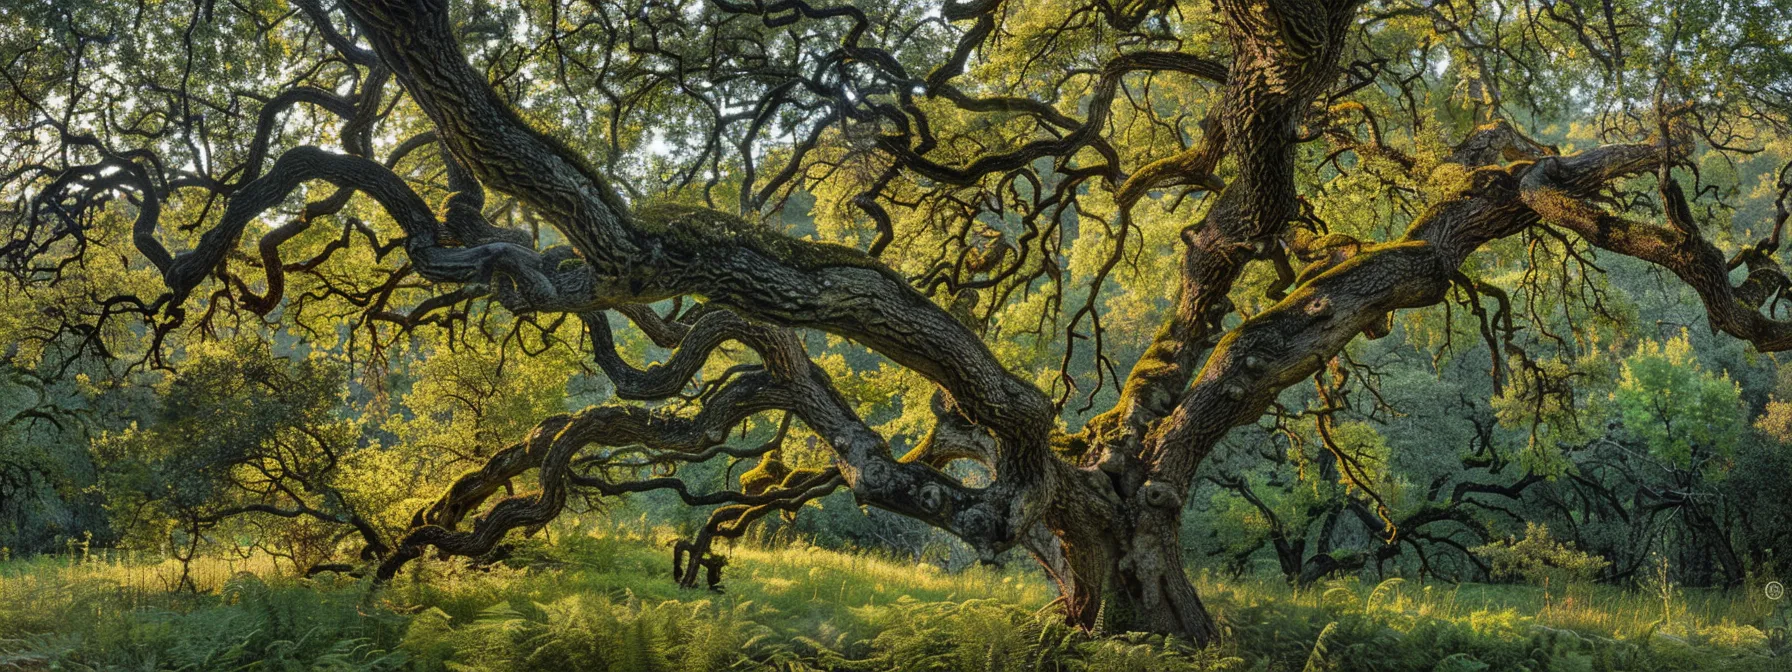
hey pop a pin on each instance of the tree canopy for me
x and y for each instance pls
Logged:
(1046, 275)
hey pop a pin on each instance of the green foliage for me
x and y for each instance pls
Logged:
(1557, 402)
(1540, 559)
(247, 624)
(604, 603)
(589, 632)
(1464, 628)
(1316, 661)
(240, 430)
(366, 421)
(1674, 406)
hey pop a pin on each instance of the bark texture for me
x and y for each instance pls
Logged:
(1101, 507)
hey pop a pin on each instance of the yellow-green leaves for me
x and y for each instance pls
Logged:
(1676, 408)
(1540, 559)
(1558, 403)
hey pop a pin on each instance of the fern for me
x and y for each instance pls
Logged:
(1460, 662)
(1316, 661)
(1381, 592)
(1340, 598)
(505, 620)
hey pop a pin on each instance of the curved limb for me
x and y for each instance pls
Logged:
(1285, 344)
(989, 519)
(673, 437)
(747, 268)
(730, 522)
(1679, 248)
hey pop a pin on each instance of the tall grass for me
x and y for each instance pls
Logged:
(606, 603)
(1400, 625)
(1589, 609)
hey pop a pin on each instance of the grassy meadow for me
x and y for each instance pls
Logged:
(584, 602)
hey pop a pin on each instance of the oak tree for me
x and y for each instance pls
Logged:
(981, 176)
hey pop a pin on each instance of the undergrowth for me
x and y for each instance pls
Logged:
(606, 604)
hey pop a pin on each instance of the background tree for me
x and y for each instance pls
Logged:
(250, 447)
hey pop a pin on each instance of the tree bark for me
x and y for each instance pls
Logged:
(1123, 572)
(1102, 508)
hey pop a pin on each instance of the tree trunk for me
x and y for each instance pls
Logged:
(1127, 576)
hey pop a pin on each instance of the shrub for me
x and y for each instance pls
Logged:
(1539, 559)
